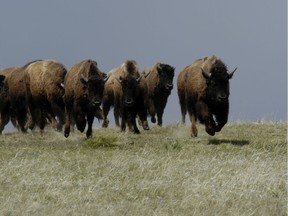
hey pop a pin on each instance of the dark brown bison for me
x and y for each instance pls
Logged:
(84, 85)
(203, 90)
(4, 97)
(113, 90)
(156, 86)
(45, 89)
(129, 102)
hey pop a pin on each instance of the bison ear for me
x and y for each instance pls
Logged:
(205, 74)
(230, 74)
(84, 79)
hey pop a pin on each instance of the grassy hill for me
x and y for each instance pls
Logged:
(240, 171)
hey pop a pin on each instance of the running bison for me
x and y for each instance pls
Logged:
(203, 90)
(115, 88)
(156, 86)
(4, 97)
(130, 103)
(44, 82)
(17, 97)
(84, 85)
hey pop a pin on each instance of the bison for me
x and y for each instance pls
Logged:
(203, 90)
(84, 85)
(129, 102)
(4, 97)
(114, 90)
(156, 86)
(17, 97)
(44, 82)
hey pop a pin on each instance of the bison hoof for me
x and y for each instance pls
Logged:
(193, 135)
(153, 119)
(210, 132)
(136, 131)
(105, 123)
(66, 133)
(145, 125)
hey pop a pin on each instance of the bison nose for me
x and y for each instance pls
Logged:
(129, 101)
(96, 103)
(222, 97)
(169, 86)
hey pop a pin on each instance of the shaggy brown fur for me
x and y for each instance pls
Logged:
(113, 90)
(203, 90)
(84, 85)
(17, 97)
(156, 86)
(44, 87)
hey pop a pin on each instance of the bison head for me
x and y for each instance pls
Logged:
(93, 90)
(129, 87)
(166, 74)
(217, 89)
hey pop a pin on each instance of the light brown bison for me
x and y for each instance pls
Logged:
(113, 90)
(203, 90)
(84, 85)
(156, 86)
(45, 89)
(4, 97)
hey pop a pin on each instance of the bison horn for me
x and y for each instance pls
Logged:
(146, 75)
(85, 79)
(106, 78)
(139, 78)
(62, 85)
(230, 74)
(205, 74)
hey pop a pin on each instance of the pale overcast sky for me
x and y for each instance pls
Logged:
(248, 34)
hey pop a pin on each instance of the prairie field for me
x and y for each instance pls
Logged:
(240, 171)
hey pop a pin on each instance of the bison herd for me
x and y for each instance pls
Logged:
(43, 92)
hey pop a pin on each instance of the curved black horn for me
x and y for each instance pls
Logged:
(84, 78)
(205, 74)
(230, 74)
(146, 75)
(139, 78)
(106, 78)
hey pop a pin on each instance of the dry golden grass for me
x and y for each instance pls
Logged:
(240, 171)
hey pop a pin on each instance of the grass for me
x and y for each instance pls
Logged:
(240, 171)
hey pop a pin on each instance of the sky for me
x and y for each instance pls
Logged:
(248, 34)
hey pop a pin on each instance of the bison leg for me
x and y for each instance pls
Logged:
(182, 101)
(206, 117)
(159, 117)
(117, 112)
(142, 114)
(132, 124)
(68, 111)
(194, 131)
(106, 108)
(80, 122)
(221, 121)
(90, 118)
(4, 119)
(21, 118)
